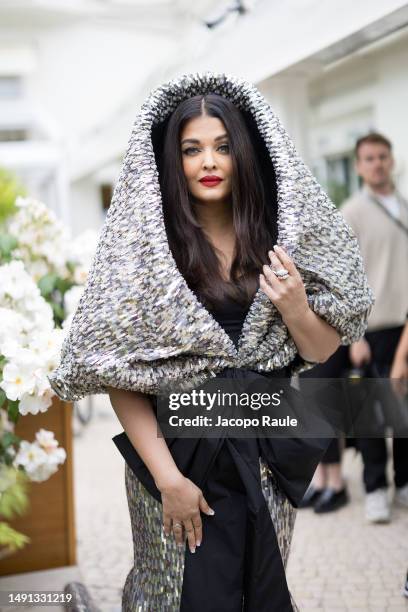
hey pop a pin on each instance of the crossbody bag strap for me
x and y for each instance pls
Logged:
(391, 216)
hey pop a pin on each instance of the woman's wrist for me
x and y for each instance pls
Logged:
(299, 316)
(170, 479)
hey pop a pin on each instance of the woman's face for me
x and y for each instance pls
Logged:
(206, 154)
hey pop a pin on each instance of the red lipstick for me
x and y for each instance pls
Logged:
(210, 180)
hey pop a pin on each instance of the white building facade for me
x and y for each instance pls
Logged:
(72, 81)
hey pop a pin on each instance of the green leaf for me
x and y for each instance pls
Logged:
(58, 310)
(7, 244)
(47, 284)
(11, 539)
(3, 395)
(9, 438)
(71, 266)
(13, 412)
(15, 500)
(10, 188)
(63, 284)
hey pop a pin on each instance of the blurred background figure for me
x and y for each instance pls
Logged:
(399, 376)
(378, 214)
(399, 368)
(327, 491)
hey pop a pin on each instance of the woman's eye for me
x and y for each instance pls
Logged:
(224, 148)
(190, 150)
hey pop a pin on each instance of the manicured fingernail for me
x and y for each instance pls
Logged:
(198, 543)
(192, 550)
(275, 246)
(211, 511)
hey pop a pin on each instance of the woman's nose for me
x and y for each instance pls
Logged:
(209, 161)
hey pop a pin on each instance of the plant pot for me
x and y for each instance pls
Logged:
(49, 520)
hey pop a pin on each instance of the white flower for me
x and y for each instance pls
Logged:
(18, 379)
(36, 461)
(46, 440)
(31, 403)
(30, 456)
(12, 322)
(15, 283)
(48, 346)
(57, 457)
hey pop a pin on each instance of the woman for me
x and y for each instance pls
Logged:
(188, 283)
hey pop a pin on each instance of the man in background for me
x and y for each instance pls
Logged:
(378, 215)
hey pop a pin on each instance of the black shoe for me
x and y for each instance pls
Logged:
(310, 497)
(330, 500)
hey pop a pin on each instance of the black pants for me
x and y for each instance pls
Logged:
(334, 367)
(383, 344)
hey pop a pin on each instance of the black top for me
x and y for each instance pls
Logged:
(231, 316)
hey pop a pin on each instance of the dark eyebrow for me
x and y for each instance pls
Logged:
(195, 141)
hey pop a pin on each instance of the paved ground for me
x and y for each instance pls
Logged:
(337, 561)
(104, 537)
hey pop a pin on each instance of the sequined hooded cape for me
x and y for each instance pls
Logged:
(138, 323)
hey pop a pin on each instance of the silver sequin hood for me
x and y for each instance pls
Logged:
(138, 324)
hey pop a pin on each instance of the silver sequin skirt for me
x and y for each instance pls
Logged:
(155, 581)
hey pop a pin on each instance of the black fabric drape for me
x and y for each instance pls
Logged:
(239, 567)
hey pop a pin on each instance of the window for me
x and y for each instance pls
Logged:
(10, 87)
(106, 195)
(341, 177)
(12, 134)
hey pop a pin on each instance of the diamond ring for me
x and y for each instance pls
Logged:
(282, 273)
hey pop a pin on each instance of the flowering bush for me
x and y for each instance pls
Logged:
(29, 342)
(42, 240)
(56, 262)
(42, 273)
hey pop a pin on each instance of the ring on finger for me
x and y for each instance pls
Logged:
(282, 273)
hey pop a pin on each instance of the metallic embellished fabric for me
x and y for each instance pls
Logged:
(138, 323)
(156, 579)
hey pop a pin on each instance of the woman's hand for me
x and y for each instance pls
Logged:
(315, 339)
(182, 501)
(399, 375)
(360, 353)
(289, 295)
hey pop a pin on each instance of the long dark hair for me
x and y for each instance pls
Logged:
(254, 202)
